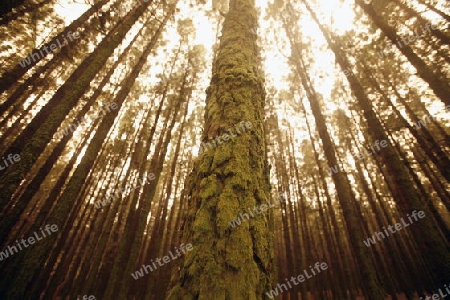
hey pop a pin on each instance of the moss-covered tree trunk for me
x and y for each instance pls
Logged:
(230, 178)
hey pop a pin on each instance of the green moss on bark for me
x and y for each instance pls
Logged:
(226, 262)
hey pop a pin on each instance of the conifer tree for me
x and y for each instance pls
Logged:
(230, 263)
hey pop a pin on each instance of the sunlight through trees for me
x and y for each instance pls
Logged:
(240, 149)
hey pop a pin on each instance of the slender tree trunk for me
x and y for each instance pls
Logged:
(336, 263)
(439, 86)
(26, 275)
(32, 142)
(431, 244)
(343, 188)
(434, 9)
(163, 278)
(421, 21)
(10, 77)
(14, 214)
(424, 138)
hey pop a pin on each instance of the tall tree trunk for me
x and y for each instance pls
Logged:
(434, 9)
(439, 86)
(225, 262)
(421, 21)
(31, 189)
(23, 280)
(10, 77)
(431, 244)
(336, 264)
(343, 189)
(33, 140)
(424, 137)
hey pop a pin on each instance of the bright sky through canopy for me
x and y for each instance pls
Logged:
(336, 14)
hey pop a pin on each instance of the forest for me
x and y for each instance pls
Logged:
(225, 149)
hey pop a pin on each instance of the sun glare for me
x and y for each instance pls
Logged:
(336, 15)
(341, 15)
(69, 10)
(204, 33)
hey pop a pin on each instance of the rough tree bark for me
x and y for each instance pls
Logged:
(226, 262)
